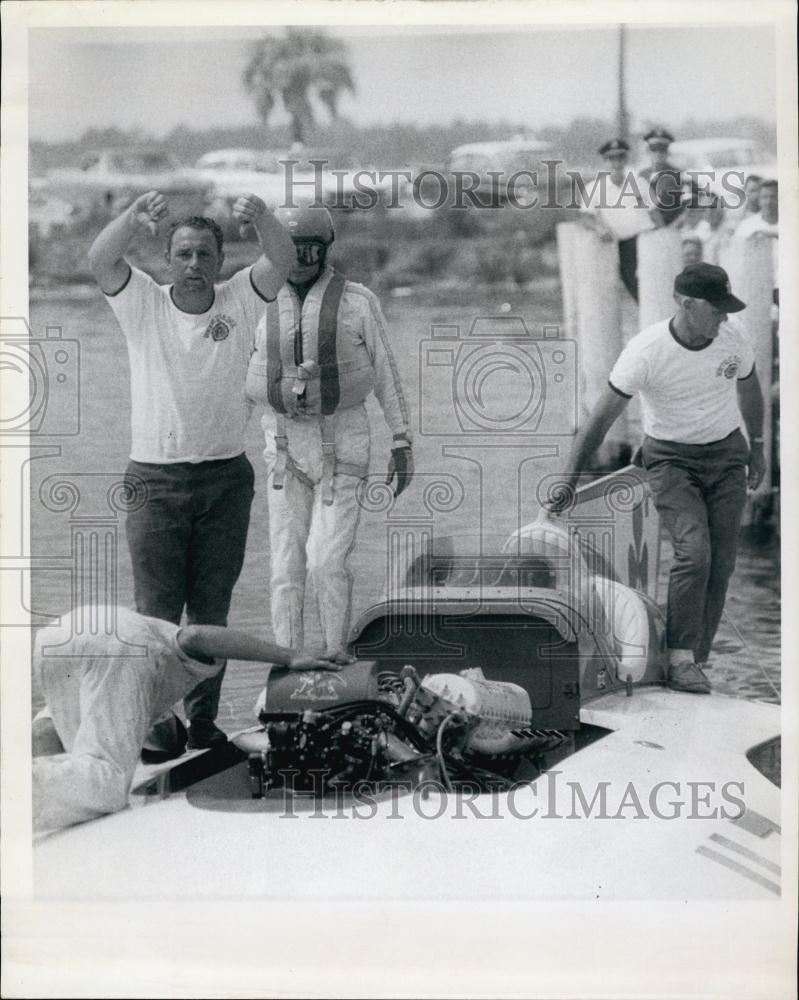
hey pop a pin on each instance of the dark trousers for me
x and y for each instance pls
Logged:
(628, 265)
(187, 542)
(700, 493)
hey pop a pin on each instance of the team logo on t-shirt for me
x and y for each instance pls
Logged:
(729, 366)
(219, 328)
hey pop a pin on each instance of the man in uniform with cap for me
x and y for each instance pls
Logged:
(696, 378)
(666, 182)
(618, 212)
(321, 350)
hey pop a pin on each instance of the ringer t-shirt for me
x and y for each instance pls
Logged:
(188, 371)
(687, 394)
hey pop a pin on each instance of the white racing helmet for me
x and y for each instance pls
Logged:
(311, 223)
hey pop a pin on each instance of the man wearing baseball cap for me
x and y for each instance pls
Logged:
(695, 376)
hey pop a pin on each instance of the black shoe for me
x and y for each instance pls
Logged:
(203, 735)
(165, 741)
(686, 676)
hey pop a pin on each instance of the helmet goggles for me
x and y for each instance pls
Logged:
(309, 251)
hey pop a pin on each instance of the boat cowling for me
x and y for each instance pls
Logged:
(530, 612)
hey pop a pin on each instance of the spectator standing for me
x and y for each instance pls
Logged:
(189, 344)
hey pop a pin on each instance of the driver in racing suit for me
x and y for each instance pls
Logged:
(321, 348)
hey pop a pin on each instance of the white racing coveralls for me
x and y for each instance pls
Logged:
(314, 365)
(104, 691)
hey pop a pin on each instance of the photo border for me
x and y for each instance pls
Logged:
(225, 948)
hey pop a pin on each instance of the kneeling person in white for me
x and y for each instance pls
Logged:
(103, 703)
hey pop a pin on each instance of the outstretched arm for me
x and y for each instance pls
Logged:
(750, 401)
(270, 271)
(216, 642)
(106, 254)
(608, 409)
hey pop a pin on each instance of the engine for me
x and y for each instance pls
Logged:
(326, 731)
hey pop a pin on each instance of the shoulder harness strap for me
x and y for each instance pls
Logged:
(328, 324)
(274, 364)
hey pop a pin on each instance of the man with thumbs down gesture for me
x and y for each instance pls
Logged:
(189, 343)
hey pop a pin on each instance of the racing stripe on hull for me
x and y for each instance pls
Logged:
(753, 822)
(721, 859)
(758, 859)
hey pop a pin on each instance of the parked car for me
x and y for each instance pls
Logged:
(719, 157)
(723, 154)
(231, 172)
(110, 179)
(278, 176)
(233, 160)
(47, 212)
(498, 163)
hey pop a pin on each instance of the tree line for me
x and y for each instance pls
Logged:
(305, 71)
(390, 146)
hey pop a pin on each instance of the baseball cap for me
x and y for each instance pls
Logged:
(708, 282)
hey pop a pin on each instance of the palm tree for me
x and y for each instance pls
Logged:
(296, 68)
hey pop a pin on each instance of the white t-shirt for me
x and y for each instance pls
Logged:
(715, 240)
(687, 394)
(623, 208)
(188, 371)
(757, 224)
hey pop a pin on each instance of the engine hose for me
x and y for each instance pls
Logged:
(442, 764)
(336, 712)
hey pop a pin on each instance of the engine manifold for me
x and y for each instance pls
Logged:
(327, 731)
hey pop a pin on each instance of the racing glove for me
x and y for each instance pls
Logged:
(400, 465)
